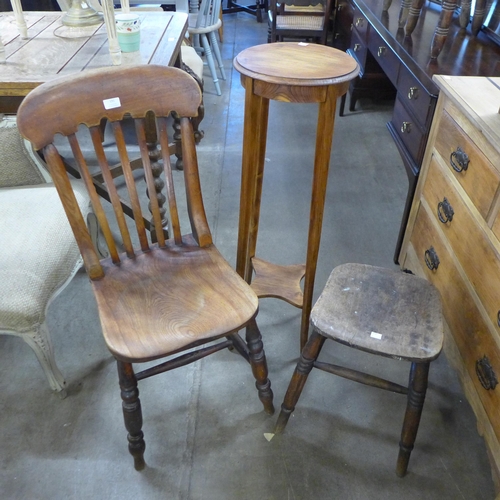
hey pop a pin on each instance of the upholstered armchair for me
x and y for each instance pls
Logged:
(38, 253)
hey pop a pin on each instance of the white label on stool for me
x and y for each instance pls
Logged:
(303, 44)
(112, 103)
(376, 335)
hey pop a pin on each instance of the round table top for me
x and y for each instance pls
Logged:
(292, 63)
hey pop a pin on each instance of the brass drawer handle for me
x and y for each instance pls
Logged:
(461, 158)
(445, 211)
(486, 374)
(406, 127)
(413, 93)
(381, 51)
(357, 47)
(431, 259)
(359, 22)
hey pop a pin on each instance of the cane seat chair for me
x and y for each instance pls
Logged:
(299, 19)
(154, 299)
(380, 311)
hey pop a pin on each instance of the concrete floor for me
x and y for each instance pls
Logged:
(204, 425)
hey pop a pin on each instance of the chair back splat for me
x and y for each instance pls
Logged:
(157, 296)
(167, 90)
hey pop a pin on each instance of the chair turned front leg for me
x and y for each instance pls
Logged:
(416, 396)
(259, 366)
(132, 413)
(306, 362)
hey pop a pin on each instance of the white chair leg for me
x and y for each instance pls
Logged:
(41, 344)
(210, 62)
(215, 47)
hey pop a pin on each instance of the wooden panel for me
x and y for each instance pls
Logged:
(481, 179)
(472, 335)
(470, 241)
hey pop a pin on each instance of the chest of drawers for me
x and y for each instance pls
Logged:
(453, 237)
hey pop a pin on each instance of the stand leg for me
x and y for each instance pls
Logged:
(324, 137)
(254, 149)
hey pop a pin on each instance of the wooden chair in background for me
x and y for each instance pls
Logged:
(299, 19)
(154, 300)
(380, 311)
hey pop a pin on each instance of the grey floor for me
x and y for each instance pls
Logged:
(204, 425)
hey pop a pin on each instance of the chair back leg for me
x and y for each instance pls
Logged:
(258, 362)
(132, 413)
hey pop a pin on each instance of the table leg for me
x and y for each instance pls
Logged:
(252, 170)
(324, 137)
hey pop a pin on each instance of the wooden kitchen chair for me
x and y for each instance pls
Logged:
(154, 300)
(299, 19)
(380, 311)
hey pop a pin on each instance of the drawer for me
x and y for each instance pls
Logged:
(469, 241)
(343, 23)
(416, 97)
(384, 55)
(409, 131)
(358, 50)
(359, 23)
(479, 179)
(473, 339)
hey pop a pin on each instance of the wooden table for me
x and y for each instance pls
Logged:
(46, 54)
(289, 72)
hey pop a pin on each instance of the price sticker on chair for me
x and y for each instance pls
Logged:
(375, 335)
(112, 103)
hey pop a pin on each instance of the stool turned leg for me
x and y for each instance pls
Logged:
(306, 362)
(416, 396)
(259, 366)
(132, 413)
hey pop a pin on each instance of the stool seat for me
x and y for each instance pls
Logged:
(381, 311)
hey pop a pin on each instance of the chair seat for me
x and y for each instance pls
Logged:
(193, 30)
(201, 297)
(300, 22)
(41, 254)
(381, 311)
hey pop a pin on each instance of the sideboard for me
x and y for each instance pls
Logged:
(393, 64)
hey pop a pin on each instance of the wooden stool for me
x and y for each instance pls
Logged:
(290, 72)
(380, 311)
